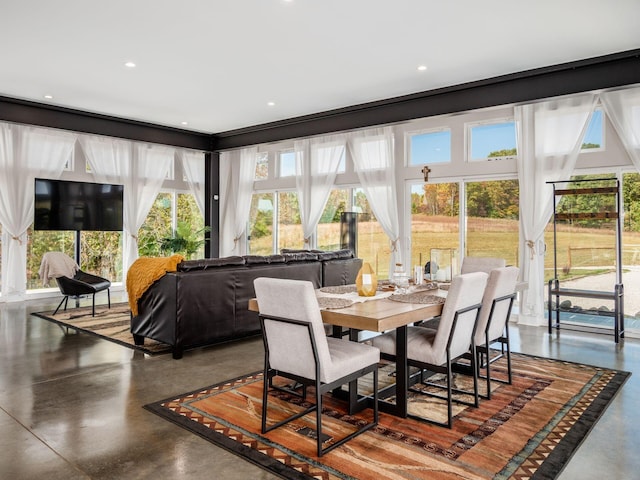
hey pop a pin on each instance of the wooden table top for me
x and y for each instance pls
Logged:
(375, 315)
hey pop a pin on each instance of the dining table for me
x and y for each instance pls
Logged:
(380, 313)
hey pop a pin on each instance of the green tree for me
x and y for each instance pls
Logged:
(509, 152)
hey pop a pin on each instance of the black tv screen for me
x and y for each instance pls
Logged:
(64, 205)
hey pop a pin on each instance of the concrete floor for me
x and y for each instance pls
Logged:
(71, 404)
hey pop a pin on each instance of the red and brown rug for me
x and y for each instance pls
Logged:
(528, 430)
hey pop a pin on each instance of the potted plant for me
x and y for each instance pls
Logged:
(184, 241)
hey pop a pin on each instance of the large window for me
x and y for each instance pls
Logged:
(100, 253)
(585, 247)
(435, 221)
(492, 219)
(373, 244)
(157, 225)
(328, 236)
(261, 224)
(173, 225)
(289, 223)
(492, 141)
(430, 147)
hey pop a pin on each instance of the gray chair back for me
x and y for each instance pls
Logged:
(481, 264)
(465, 290)
(290, 346)
(501, 282)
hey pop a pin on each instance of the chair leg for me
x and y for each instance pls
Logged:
(109, 298)
(60, 304)
(474, 371)
(93, 305)
(449, 394)
(319, 416)
(508, 344)
(487, 351)
(265, 396)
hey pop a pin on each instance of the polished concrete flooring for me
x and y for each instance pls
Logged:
(71, 404)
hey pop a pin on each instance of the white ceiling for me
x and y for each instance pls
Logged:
(217, 63)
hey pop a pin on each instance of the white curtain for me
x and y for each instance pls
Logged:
(623, 109)
(237, 173)
(317, 162)
(141, 168)
(549, 140)
(193, 168)
(372, 153)
(25, 153)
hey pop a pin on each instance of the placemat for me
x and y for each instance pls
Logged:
(333, 302)
(339, 289)
(417, 297)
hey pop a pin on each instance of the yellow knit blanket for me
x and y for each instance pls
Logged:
(143, 272)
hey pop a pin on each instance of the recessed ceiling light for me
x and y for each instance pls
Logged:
(49, 97)
(271, 104)
(184, 123)
(130, 65)
(422, 68)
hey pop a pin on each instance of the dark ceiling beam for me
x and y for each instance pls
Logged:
(608, 71)
(33, 113)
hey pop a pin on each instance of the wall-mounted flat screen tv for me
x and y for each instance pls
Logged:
(65, 205)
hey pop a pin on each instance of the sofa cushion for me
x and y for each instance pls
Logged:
(204, 263)
(300, 257)
(299, 250)
(262, 259)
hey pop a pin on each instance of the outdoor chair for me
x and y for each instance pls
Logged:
(297, 348)
(436, 350)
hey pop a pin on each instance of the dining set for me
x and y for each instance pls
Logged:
(333, 338)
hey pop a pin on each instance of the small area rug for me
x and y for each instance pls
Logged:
(528, 430)
(111, 324)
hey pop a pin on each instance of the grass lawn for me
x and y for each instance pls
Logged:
(579, 249)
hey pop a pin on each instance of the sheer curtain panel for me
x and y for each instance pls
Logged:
(25, 154)
(623, 109)
(237, 172)
(372, 153)
(193, 168)
(549, 141)
(317, 162)
(141, 168)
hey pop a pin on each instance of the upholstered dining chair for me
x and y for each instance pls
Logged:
(493, 321)
(437, 350)
(481, 264)
(297, 348)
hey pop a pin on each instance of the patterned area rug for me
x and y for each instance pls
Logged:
(528, 430)
(112, 324)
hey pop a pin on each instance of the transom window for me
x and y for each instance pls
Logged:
(262, 166)
(287, 164)
(489, 141)
(594, 136)
(430, 147)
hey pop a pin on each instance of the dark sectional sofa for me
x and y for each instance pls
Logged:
(206, 301)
